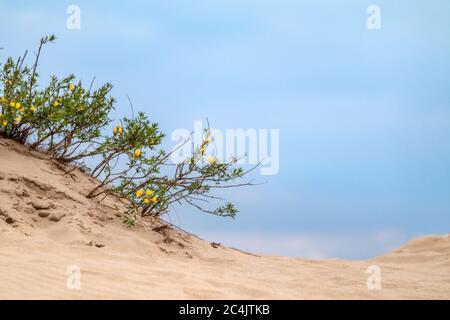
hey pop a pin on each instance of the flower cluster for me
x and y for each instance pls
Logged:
(148, 196)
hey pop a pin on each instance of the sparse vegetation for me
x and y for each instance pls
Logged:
(73, 123)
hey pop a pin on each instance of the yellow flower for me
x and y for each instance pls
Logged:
(5, 123)
(18, 105)
(71, 87)
(32, 108)
(18, 119)
(139, 193)
(22, 109)
(117, 130)
(2, 100)
(208, 140)
(56, 103)
(211, 159)
(154, 199)
(146, 200)
(148, 192)
(137, 153)
(12, 104)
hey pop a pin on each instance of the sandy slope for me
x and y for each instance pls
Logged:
(38, 244)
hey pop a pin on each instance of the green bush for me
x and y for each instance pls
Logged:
(72, 123)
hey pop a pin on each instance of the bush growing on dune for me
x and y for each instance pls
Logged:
(73, 123)
(63, 118)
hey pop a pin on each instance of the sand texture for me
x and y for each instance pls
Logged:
(48, 226)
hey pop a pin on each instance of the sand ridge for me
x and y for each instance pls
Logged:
(48, 227)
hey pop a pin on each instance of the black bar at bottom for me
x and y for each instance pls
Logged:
(227, 309)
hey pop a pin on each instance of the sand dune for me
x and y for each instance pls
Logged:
(48, 228)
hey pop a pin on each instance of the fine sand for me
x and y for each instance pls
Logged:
(48, 229)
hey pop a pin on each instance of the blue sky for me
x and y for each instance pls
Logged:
(364, 115)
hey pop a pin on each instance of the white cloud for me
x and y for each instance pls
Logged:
(359, 245)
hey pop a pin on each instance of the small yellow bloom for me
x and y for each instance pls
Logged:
(5, 123)
(211, 159)
(18, 105)
(117, 130)
(32, 108)
(148, 192)
(137, 153)
(22, 109)
(2, 100)
(154, 199)
(56, 103)
(146, 200)
(12, 104)
(71, 87)
(139, 193)
(18, 119)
